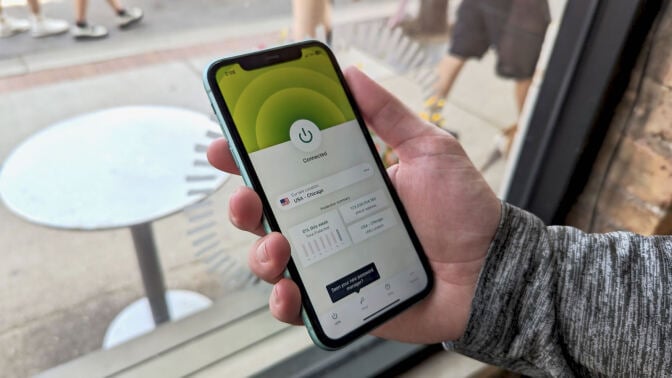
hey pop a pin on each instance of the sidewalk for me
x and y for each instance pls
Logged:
(61, 289)
(165, 26)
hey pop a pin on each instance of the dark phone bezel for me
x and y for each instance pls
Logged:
(283, 54)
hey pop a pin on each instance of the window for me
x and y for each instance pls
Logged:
(107, 197)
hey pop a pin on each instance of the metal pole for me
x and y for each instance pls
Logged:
(150, 270)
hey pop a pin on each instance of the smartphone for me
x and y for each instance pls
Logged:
(300, 142)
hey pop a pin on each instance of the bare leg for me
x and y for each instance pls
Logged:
(34, 6)
(304, 14)
(80, 10)
(326, 20)
(308, 14)
(522, 87)
(116, 5)
(505, 141)
(395, 20)
(449, 67)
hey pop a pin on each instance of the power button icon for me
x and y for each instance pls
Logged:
(305, 135)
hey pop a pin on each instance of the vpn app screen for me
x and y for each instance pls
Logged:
(348, 241)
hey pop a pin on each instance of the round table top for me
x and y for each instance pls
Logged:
(112, 168)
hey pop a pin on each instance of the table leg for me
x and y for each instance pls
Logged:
(150, 269)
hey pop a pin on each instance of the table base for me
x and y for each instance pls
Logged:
(136, 319)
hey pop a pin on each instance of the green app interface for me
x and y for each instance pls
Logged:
(348, 241)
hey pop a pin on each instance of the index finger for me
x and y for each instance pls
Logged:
(220, 156)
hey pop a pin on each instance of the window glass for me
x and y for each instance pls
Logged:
(107, 198)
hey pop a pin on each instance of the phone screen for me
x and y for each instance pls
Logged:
(350, 244)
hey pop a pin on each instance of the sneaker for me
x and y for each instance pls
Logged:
(503, 145)
(88, 31)
(10, 26)
(130, 17)
(433, 107)
(434, 103)
(433, 113)
(44, 27)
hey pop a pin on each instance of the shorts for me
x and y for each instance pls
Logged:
(515, 28)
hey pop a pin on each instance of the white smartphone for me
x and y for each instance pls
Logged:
(299, 140)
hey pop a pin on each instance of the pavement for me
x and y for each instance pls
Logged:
(59, 290)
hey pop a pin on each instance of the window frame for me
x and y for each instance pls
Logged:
(583, 85)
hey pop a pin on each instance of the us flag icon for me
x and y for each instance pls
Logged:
(284, 201)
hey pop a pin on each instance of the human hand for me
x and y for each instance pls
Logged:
(452, 209)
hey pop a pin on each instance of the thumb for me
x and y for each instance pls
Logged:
(392, 173)
(390, 119)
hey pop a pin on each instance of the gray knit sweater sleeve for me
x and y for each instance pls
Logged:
(554, 301)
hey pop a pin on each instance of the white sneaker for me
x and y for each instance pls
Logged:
(44, 27)
(88, 31)
(131, 17)
(10, 26)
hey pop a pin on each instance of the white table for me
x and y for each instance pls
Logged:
(121, 167)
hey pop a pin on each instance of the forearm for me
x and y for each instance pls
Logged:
(556, 301)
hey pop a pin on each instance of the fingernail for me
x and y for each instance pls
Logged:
(262, 254)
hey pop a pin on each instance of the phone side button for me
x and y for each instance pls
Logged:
(236, 159)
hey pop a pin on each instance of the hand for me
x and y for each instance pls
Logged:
(451, 207)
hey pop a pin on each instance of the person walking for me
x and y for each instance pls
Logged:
(38, 25)
(82, 29)
(308, 15)
(514, 28)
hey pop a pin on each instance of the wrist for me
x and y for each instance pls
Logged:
(509, 287)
